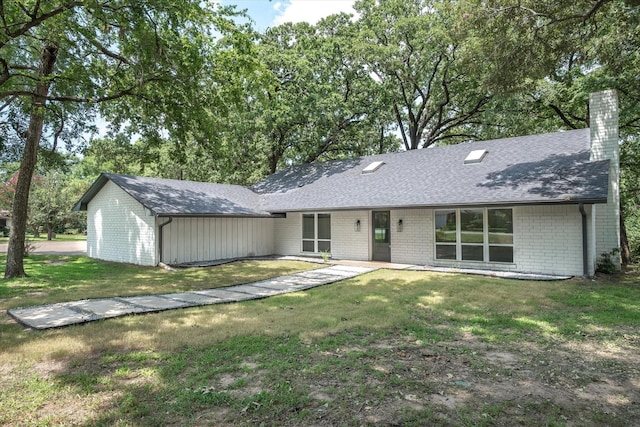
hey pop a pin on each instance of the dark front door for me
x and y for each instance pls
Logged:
(382, 236)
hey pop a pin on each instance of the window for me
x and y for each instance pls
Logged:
(474, 235)
(316, 233)
(446, 230)
(500, 235)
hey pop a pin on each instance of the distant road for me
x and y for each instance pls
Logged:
(55, 247)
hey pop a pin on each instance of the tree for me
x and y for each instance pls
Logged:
(52, 198)
(419, 62)
(320, 102)
(63, 60)
(551, 55)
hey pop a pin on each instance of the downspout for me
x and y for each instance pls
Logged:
(160, 227)
(585, 242)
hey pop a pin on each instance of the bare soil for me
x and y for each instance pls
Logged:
(462, 382)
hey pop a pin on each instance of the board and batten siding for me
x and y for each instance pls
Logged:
(208, 239)
(118, 228)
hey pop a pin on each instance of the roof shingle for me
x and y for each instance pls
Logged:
(534, 169)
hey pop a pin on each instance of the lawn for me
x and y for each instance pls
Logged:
(43, 237)
(386, 348)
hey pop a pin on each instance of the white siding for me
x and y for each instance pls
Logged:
(207, 239)
(118, 228)
(414, 244)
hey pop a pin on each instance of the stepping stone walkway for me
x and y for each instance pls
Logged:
(70, 313)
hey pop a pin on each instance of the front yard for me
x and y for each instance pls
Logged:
(386, 348)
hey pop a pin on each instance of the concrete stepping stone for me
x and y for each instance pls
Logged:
(75, 312)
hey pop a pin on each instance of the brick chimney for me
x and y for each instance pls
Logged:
(603, 123)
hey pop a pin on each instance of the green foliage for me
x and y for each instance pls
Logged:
(608, 262)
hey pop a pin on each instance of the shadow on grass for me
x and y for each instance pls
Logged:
(257, 361)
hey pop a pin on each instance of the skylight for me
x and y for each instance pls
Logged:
(475, 156)
(374, 166)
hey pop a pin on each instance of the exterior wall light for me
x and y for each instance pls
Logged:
(357, 226)
(399, 225)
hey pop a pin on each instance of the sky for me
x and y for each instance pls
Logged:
(269, 13)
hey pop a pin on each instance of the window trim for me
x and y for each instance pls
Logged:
(458, 244)
(316, 239)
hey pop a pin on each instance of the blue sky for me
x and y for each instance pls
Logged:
(267, 13)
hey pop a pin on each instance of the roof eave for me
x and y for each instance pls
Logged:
(588, 201)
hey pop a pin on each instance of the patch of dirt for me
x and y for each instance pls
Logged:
(527, 385)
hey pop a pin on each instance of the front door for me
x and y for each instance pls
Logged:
(382, 236)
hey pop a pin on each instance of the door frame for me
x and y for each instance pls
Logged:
(375, 255)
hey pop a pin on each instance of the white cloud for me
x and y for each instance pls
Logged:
(310, 10)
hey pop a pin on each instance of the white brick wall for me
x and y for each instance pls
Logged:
(346, 242)
(603, 112)
(205, 239)
(548, 239)
(118, 229)
(414, 244)
(288, 234)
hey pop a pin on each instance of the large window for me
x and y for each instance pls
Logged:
(316, 233)
(474, 234)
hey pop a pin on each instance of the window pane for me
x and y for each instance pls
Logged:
(307, 246)
(471, 226)
(472, 253)
(380, 235)
(446, 226)
(324, 226)
(501, 253)
(308, 227)
(324, 246)
(446, 252)
(500, 221)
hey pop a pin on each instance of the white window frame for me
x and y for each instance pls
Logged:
(458, 243)
(315, 238)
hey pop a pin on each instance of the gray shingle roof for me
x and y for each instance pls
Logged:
(548, 168)
(170, 197)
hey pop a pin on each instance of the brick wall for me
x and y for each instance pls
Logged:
(288, 234)
(118, 229)
(548, 239)
(346, 242)
(603, 113)
(414, 244)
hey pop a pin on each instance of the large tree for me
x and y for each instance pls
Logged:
(61, 60)
(551, 55)
(420, 62)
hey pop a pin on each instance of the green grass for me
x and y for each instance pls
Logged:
(43, 238)
(404, 347)
(66, 278)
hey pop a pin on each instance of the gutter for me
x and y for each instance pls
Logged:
(585, 242)
(160, 227)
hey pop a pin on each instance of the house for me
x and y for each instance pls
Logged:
(541, 204)
(5, 222)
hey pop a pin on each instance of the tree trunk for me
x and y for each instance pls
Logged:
(15, 252)
(625, 251)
